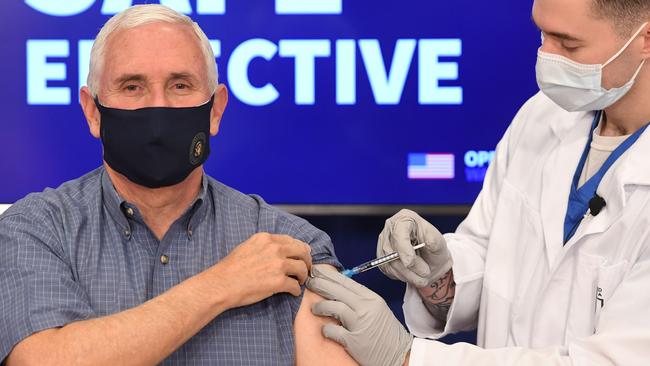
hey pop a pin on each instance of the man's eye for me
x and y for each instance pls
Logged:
(180, 86)
(570, 48)
(131, 88)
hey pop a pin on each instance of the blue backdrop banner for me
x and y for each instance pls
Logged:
(331, 101)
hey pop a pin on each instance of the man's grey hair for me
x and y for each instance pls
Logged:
(626, 15)
(140, 15)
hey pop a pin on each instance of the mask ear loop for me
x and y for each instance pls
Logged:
(627, 44)
(638, 70)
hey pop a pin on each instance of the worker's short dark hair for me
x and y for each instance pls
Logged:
(626, 15)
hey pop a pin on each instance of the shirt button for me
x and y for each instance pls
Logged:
(127, 232)
(189, 233)
(129, 212)
(164, 259)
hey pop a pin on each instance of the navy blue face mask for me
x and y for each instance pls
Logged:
(155, 146)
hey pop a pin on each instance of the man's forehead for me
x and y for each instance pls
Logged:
(154, 47)
(155, 38)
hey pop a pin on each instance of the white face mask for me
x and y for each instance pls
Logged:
(578, 87)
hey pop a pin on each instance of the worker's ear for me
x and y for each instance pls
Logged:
(91, 111)
(646, 38)
(218, 107)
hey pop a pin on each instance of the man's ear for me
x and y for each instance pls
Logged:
(218, 107)
(90, 110)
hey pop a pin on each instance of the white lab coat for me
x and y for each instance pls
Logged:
(533, 300)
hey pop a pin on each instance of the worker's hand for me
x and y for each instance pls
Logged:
(264, 265)
(420, 268)
(369, 331)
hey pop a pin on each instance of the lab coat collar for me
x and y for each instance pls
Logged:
(570, 125)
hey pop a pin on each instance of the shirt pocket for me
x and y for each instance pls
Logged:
(594, 283)
(609, 278)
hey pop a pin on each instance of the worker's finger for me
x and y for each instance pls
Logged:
(296, 268)
(354, 290)
(429, 235)
(331, 285)
(401, 239)
(420, 267)
(408, 275)
(337, 310)
(336, 333)
(403, 230)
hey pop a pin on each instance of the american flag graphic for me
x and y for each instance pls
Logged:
(430, 166)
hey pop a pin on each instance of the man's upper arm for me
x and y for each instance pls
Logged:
(312, 348)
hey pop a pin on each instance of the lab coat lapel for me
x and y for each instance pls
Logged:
(572, 133)
(631, 169)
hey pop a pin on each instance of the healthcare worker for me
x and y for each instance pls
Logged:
(552, 264)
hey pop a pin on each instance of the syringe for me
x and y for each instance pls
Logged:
(375, 263)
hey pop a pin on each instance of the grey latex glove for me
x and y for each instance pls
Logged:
(421, 268)
(370, 333)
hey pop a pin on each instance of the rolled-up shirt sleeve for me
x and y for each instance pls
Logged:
(38, 290)
(277, 221)
(322, 249)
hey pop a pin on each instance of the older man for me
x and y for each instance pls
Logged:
(147, 260)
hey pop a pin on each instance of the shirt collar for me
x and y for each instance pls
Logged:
(121, 210)
(113, 203)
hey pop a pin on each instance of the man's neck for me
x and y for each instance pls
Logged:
(633, 110)
(159, 207)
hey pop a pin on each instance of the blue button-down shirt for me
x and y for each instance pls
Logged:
(80, 251)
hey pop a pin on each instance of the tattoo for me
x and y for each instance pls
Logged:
(438, 297)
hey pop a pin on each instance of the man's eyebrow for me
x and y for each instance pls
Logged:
(130, 77)
(562, 36)
(182, 75)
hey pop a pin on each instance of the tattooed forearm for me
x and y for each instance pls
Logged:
(438, 297)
